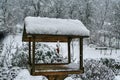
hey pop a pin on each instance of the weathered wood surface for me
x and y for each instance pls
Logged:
(57, 69)
(57, 77)
(48, 37)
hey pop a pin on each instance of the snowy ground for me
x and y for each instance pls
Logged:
(117, 78)
(24, 75)
(89, 53)
(94, 54)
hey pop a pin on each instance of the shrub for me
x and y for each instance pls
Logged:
(20, 58)
(95, 70)
(112, 64)
(45, 54)
(9, 73)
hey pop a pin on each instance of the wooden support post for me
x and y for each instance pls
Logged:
(81, 52)
(56, 77)
(33, 55)
(29, 50)
(61, 77)
(69, 52)
(51, 77)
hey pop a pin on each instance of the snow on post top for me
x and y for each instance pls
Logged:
(53, 26)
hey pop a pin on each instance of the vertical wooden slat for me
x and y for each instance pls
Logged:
(33, 55)
(81, 52)
(69, 53)
(29, 50)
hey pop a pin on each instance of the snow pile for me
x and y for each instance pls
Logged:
(25, 75)
(68, 78)
(117, 78)
(38, 25)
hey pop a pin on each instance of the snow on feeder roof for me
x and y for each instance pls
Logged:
(53, 26)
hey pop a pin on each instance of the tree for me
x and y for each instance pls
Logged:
(7, 18)
(116, 21)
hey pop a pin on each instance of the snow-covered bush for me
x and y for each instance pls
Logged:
(112, 64)
(1, 47)
(1, 57)
(20, 58)
(108, 62)
(13, 72)
(95, 70)
(46, 54)
(9, 73)
(43, 54)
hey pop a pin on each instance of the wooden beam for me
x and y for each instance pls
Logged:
(58, 73)
(81, 52)
(73, 36)
(29, 50)
(50, 37)
(51, 64)
(47, 38)
(69, 51)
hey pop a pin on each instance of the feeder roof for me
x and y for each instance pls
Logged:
(54, 26)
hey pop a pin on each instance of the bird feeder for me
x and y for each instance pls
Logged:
(38, 29)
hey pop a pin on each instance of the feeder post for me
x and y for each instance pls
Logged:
(29, 50)
(33, 55)
(69, 52)
(81, 52)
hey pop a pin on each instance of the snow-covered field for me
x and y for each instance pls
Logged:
(89, 53)
(94, 54)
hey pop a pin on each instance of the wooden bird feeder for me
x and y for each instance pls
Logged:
(37, 29)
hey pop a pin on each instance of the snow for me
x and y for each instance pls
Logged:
(25, 75)
(95, 54)
(117, 77)
(53, 26)
(89, 53)
(68, 78)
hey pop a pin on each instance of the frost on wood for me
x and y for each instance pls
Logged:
(38, 25)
